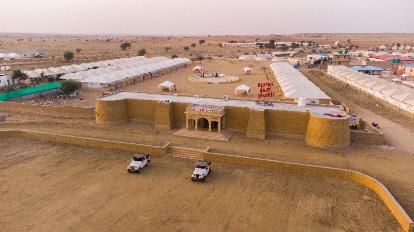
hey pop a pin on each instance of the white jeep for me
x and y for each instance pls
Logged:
(201, 171)
(139, 161)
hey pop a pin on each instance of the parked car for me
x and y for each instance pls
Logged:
(201, 171)
(139, 162)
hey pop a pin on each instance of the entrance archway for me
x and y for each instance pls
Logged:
(203, 124)
(191, 124)
(214, 126)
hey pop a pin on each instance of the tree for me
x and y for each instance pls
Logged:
(68, 55)
(78, 50)
(186, 48)
(398, 44)
(294, 45)
(142, 52)
(272, 43)
(69, 87)
(124, 46)
(193, 45)
(201, 41)
(19, 75)
(167, 49)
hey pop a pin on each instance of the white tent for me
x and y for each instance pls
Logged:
(395, 94)
(167, 86)
(247, 71)
(242, 90)
(295, 85)
(198, 69)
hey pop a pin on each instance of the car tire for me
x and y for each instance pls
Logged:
(209, 171)
(139, 170)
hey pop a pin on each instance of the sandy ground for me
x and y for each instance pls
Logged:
(393, 167)
(48, 187)
(232, 67)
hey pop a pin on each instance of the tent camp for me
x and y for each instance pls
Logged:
(247, 71)
(119, 71)
(242, 90)
(398, 95)
(295, 85)
(167, 86)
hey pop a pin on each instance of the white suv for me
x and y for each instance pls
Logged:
(201, 171)
(139, 161)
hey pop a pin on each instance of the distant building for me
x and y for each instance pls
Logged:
(341, 57)
(5, 80)
(370, 70)
(382, 48)
(407, 69)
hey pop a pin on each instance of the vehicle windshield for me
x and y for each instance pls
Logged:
(201, 166)
(138, 158)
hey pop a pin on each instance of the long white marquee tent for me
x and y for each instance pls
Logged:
(295, 85)
(395, 94)
(105, 73)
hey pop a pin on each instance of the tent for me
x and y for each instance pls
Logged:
(247, 71)
(242, 90)
(198, 69)
(167, 86)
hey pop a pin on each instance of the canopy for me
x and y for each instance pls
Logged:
(294, 84)
(167, 86)
(247, 70)
(389, 91)
(198, 69)
(242, 89)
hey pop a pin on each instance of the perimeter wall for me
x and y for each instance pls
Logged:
(321, 132)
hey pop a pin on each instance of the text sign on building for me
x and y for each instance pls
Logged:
(265, 90)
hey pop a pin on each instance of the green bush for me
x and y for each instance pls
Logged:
(68, 55)
(69, 87)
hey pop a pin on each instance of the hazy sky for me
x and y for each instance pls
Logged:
(194, 17)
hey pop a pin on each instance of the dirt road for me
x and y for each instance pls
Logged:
(399, 136)
(50, 187)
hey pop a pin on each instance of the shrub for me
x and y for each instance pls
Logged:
(174, 56)
(142, 52)
(186, 48)
(193, 45)
(201, 41)
(124, 46)
(69, 87)
(68, 55)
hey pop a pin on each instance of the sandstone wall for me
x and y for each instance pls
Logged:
(324, 132)
(111, 112)
(54, 111)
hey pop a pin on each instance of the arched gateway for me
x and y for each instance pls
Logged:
(205, 117)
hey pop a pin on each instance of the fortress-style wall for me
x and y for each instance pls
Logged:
(72, 112)
(318, 131)
(111, 112)
(287, 122)
(178, 113)
(327, 132)
(236, 118)
(141, 110)
(256, 127)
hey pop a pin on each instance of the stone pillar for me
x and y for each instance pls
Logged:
(209, 125)
(256, 126)
(163, 115)
(196, 123)
(219, 126)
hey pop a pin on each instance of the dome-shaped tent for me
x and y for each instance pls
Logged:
(243, 90)
(167, 86)
(247, 71)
